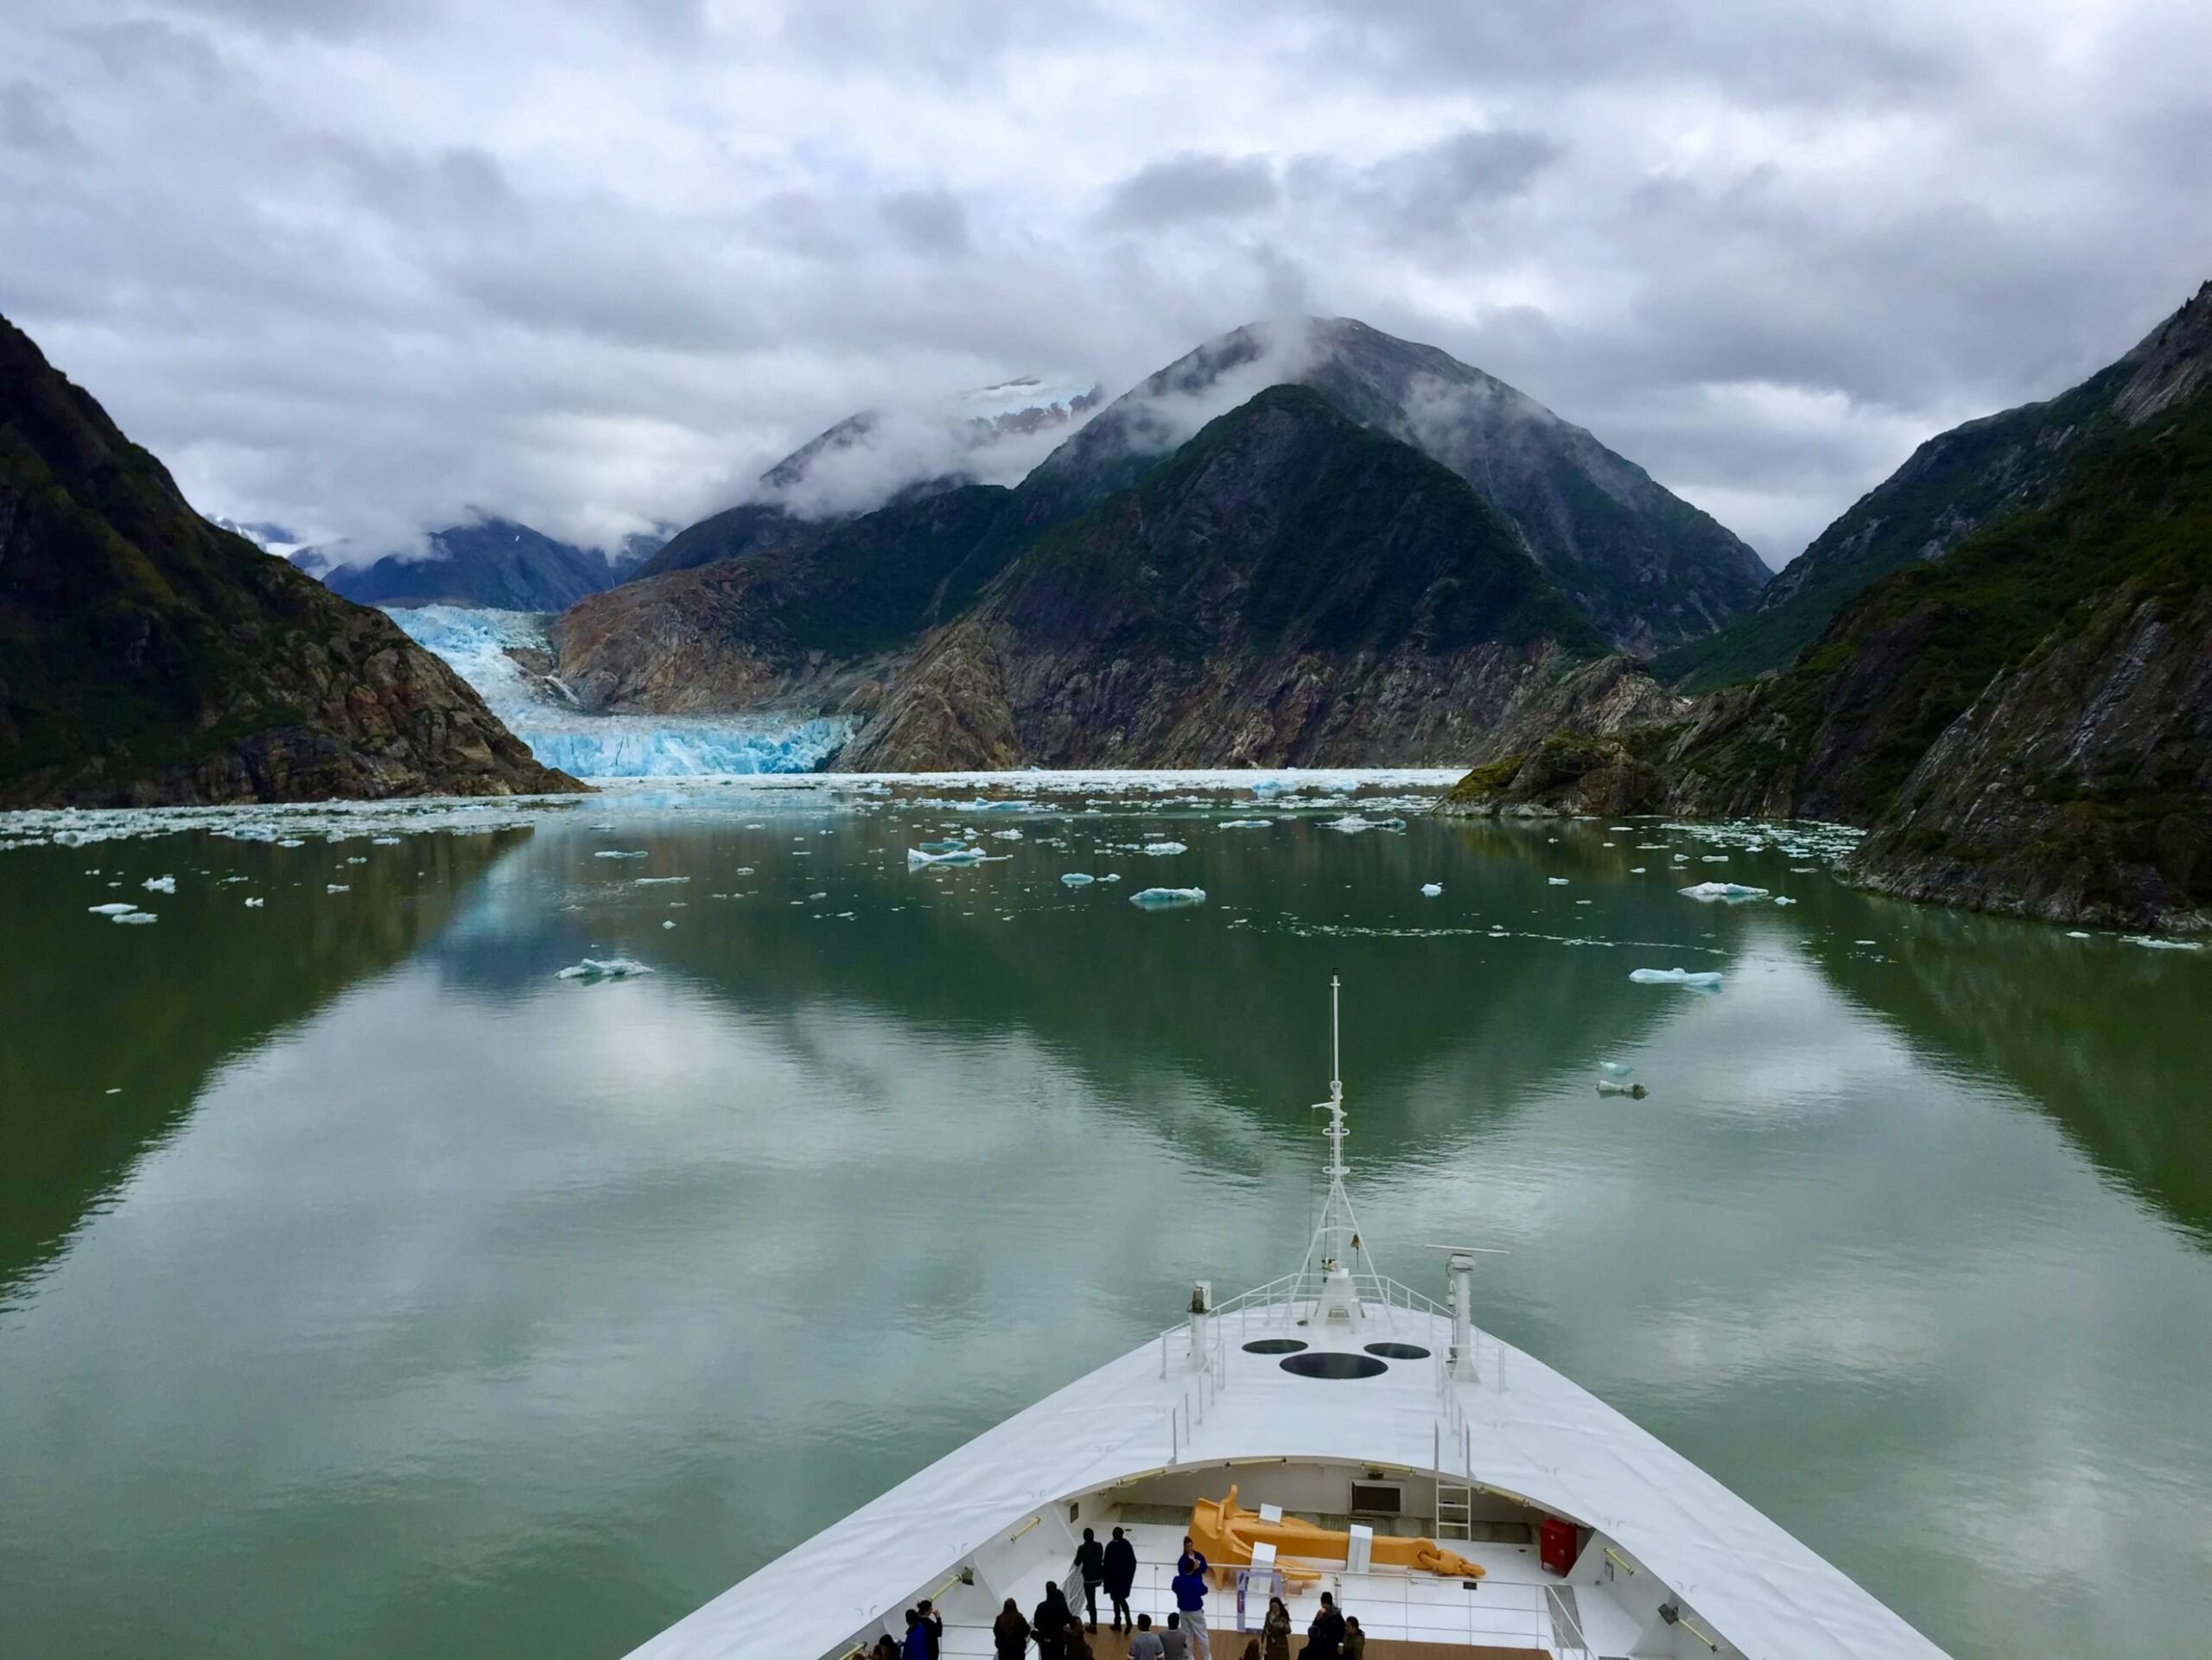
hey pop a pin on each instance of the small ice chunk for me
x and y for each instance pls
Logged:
(1615, 1068)
(1713, 859)
(120, 907)
(1005, 835)
(1634, 1091)
(291, 842)
(1430, 890)
(161, 884)
(1783, 898)
(1734, 893)
(384, 841)
(1078, 878)
(1245, 824)
(2150, 941)
(1111, 876)
(670, 923)
(1557, 881)
(1352, 823)
(818, 896)
(1161, 899)
(1702, 982)
(617, 853)
(2077, 933)
(132, 916)
(960, 855)
(1636, 870)
(336, 888)
(657, 881)
(613, 968)
(1165, 847)
(256, 905)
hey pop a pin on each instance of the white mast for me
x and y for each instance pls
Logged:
(1336, 1243)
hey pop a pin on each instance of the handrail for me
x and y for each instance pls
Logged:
(1555, 1607)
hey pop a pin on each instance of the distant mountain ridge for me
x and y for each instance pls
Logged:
(1646, 566)
(491, 561)
(147, 655)
(2024, 723)
(1950, 486)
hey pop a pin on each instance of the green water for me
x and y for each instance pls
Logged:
(366, 1289)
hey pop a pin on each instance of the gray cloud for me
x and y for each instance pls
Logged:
(1192, 187)
(340, 276)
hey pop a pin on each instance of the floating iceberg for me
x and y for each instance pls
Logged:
(1005, 835)
(1783, 898)
(1705, 982)
(1557, 881)
(132, 916)
(1734, 893)
(1161, 899)
(942, 847)
(1634, 1091)
(1352, 823)
(613, 968)
(1160, 848)
(916, 859)
(1078, 878)
(336, 888)
(119, 907)
(2077, 933)
(1430, 890)
(161, 884)
(1244, 824)
(2152, 941)
(256, 905)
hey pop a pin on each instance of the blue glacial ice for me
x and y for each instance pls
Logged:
(1432, 890)
(1705, 982)
(1078, 878)
(1162, 899)
(538, 711)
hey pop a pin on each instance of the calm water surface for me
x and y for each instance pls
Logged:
(367, 1289)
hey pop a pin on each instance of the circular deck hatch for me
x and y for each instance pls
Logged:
(1275, 1346)
(1326, 1365)
(1398, 1350)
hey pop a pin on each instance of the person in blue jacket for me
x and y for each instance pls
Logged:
(1189, 1586)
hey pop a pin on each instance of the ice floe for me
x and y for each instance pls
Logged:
(612, 968)
(2151, 942)
(1162, 899)
(132, 916)
(1431, 890)
(161, 884)
(1702, 981)
(1244, 824)
(117, 908)
(1162, 849)
(1733, 893)
(917, 859)
(1078, 878)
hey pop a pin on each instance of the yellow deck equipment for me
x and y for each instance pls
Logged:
(1226, 1532)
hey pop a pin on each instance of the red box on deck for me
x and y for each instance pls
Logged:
(1555, 1544)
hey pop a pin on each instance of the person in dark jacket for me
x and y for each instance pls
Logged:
(1090, 1563)
(1121, 1578)
(1325, 1637)
(932, 1627)
(1048, 1627)
(1010, 1632)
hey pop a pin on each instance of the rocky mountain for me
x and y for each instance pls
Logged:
(878, 458)
(1289, 587)
(1648, 568)
(2025, 724)
(490, 561)
(1949, 487)
(147, 655)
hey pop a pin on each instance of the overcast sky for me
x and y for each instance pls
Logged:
(358, 264)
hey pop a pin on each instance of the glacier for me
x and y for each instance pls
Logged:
(476, 642)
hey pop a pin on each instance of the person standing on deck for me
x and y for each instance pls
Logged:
(1172, 1642)
(1275, 1631)
(1325, 1637)
(932, 1626)
(1144, 1641)
(1355, 1640)
(1090, 1561)
(1048, 1627)
(1189, 1586)
(917, 1645)
(1010, 1632)
(1120, 1577)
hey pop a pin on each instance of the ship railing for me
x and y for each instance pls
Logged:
(1285, 1293)
(1567, 1640)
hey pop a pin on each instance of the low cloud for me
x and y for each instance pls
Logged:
(339, 278)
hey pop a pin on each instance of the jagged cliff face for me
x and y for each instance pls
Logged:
(148, 657)
(1646, 566)
(1951, 486)
(2025, 724)
(1289, 588)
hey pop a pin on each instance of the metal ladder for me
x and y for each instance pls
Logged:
(1455, 1510)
